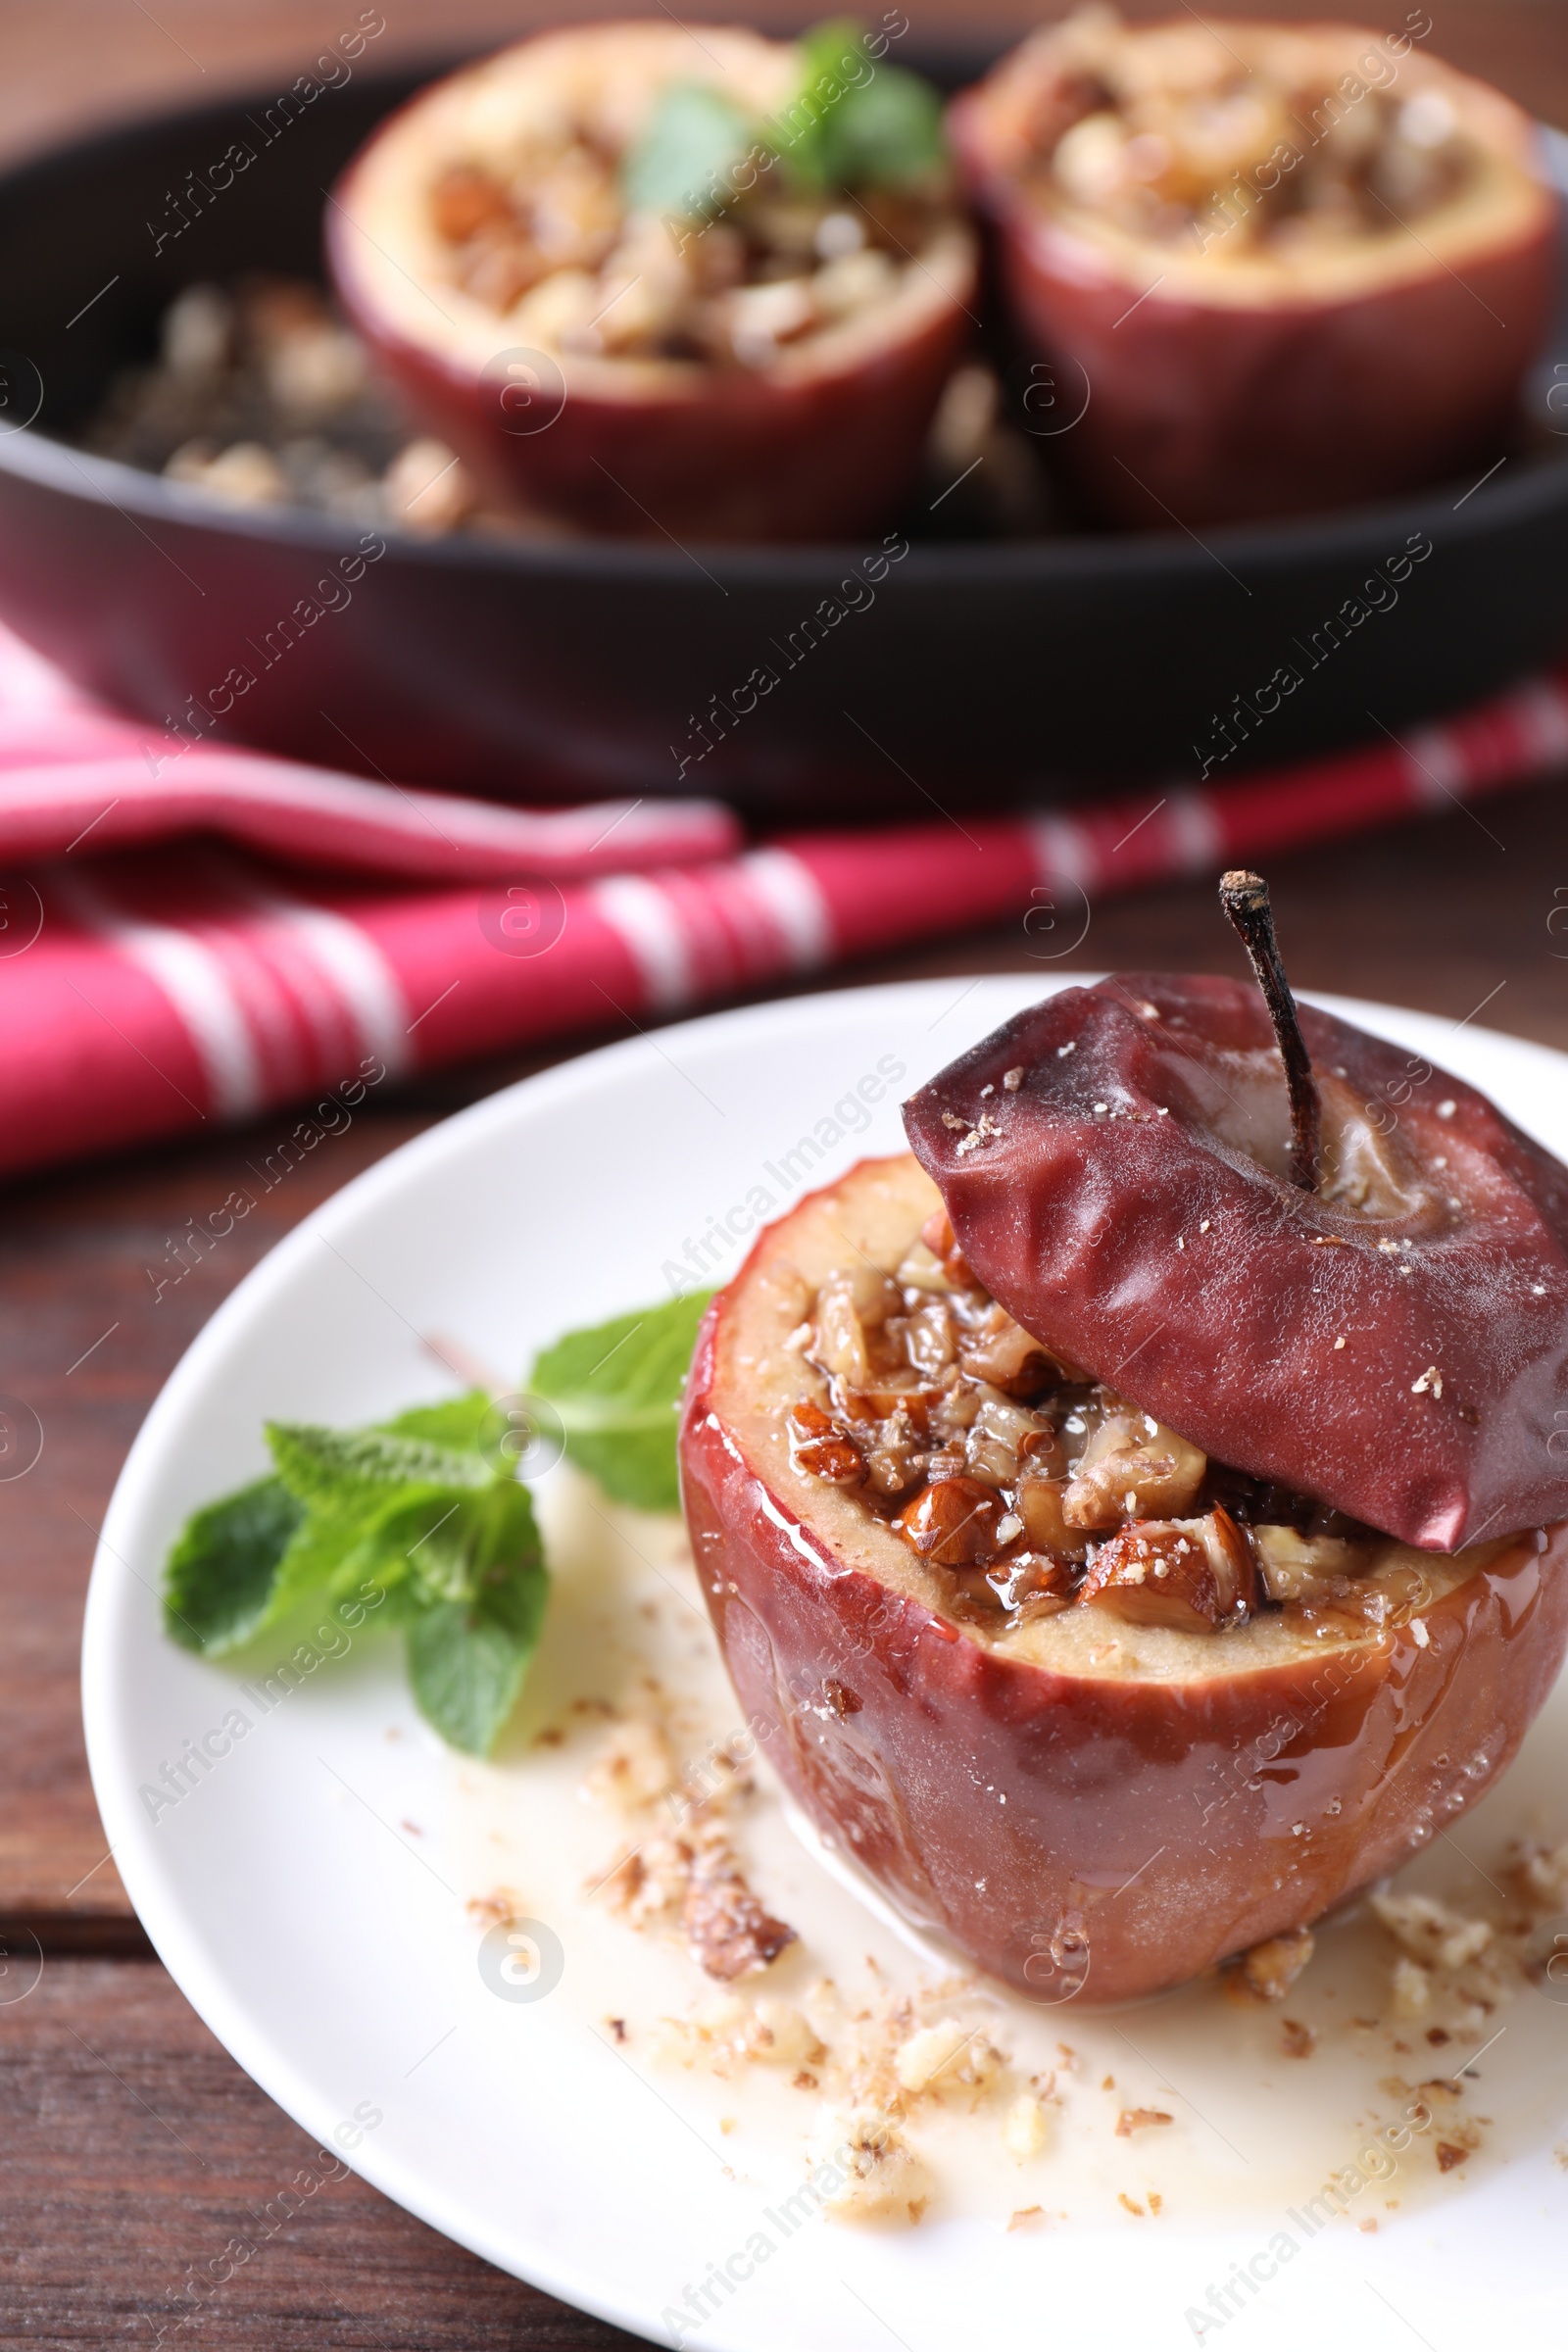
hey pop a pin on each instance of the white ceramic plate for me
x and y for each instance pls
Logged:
(308, 1894)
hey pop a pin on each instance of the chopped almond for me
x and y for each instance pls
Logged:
(1412, 1991)
(946, 2057)
(850, 1305)
(1025, 2129)
(1190, 1574)
(952, 1523)
(885, 2181)
(1272, 1968)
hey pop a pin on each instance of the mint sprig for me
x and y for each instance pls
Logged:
(686, 161)
(868, 125)
(427, 1514)
(853, 123)
(616, 1390)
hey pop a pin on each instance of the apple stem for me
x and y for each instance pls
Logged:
(1244, 898)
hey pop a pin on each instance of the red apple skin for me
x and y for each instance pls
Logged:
(1213, 1291)
(1229, 412)
(740, 456)
(1149, 1827)
(1227, 416)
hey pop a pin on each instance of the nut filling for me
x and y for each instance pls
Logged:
(1035, 1489)
(547, 236)
(1154, 129)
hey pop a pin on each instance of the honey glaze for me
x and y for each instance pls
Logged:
(1344, 2103)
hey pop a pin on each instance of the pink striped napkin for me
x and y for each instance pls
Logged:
(191, 941)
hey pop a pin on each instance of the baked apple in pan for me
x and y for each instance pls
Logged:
(644, 280)
(1076, 1654)
(1299, 265)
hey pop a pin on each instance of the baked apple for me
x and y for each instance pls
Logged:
(1082, 1589)
(644, 280)
(1299, 265)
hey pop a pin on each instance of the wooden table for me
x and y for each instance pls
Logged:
(130, 2144)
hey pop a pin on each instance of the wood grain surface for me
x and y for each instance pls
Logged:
(130, 2146)
(137, 2157)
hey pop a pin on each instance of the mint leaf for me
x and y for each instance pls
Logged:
(684, 163)
(347, 1470)
(445, 1541)
(888, 132)
(458, 1423)
(467, 1658)
(219, 1577)
(332, 1554)
(869, 124)
(617, 1387)
(413, 1507)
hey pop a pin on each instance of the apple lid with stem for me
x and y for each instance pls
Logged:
(1318, 1257)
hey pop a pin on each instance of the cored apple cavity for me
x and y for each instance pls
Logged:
(1150, 129)
(532, 221)
(1029, 1488)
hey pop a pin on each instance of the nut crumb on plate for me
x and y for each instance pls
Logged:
(1271, 1968)
(868, 2172)
(1025, 2129)
(1430, 1932)
(1412, 1990)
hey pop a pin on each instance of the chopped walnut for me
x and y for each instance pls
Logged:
(1133, 1468)
(997, 1349)
(1139, 2119)
(690, 1874)
(730, 1933)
